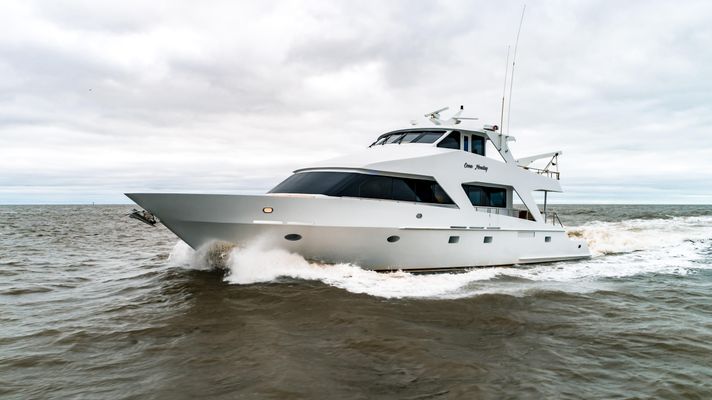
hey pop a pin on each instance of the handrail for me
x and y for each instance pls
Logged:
(523, 214)
(511, 212)
(554, 218)
(545, 172)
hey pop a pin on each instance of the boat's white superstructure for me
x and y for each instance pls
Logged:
(417, 198)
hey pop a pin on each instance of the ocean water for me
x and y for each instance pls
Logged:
(96, 305)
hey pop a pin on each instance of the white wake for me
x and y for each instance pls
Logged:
(642, 234)
(621, 249)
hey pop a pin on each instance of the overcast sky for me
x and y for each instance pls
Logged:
(98, 98)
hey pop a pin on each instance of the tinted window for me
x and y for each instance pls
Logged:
(380, 140)
(428, 137)
(347, 184)
(498, 198)
(404, 190)
(393, 138)
(477, 196)
(375, 187)
(409, 137)
(483, 196)
(309, 183)
(452, 141)
(430, 192)
(478, 145)
(465, 143)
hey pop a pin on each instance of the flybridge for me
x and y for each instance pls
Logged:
(448, 133)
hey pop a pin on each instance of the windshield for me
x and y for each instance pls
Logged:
(409, 137)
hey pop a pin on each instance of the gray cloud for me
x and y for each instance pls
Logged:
(98, 98)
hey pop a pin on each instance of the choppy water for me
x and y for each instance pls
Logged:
(95, 305)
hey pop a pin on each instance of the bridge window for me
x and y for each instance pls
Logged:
(409, 137)
(428, 137)
(451, 141)
(393, 138)
(478, 145)
(485, 196)
(349, 184)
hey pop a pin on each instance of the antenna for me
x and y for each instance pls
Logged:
(504, 89)
(456, 119)
(514, 60)
(434, 116)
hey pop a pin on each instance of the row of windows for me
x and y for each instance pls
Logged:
(478, 145)
(361, 185)
(410, 137)
(451, 141)
(484, 196)
(349, 184)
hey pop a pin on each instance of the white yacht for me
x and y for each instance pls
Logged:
(418, 198)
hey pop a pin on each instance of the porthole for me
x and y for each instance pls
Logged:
(547, 239)
(579, 246)
(293, 237)
(419, 215)
(488, 239)
(393, 239)
(453, 239)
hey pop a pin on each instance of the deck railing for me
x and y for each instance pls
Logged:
(546, 172)
(549, 217)
(553, 217)
(511, 212)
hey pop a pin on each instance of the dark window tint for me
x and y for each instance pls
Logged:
(375, 187)
(478, 145)
(451, 141)
(409, 137)
(477, 195)
(404, 190)
(484, 196)
(309, 183)
(393, 138)
(498, 198)
(362, 185)
(428, 137)
(465, 143)
(431, 192)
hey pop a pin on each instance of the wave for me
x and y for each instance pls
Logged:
(212, 256)
(641, 234)
(621, 249)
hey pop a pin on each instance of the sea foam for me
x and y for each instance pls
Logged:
(620, 249)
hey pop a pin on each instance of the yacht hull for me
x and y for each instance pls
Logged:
(373, 234)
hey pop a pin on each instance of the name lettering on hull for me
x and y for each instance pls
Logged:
(477, 167)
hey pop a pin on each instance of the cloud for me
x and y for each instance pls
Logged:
(99, 98)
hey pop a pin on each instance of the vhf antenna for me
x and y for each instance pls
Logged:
(514, 60)
(504, 89)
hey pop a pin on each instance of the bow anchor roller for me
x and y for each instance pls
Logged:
(143, 216)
